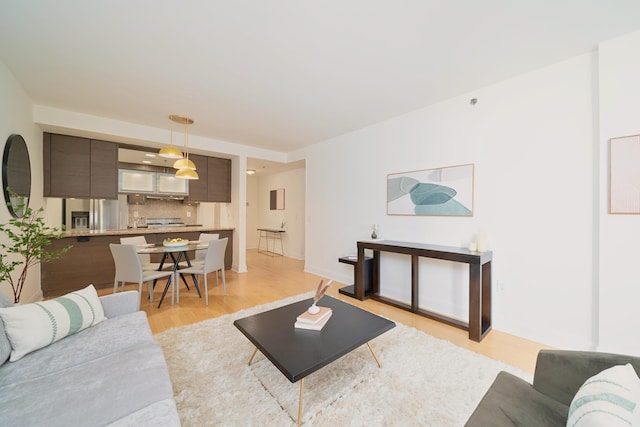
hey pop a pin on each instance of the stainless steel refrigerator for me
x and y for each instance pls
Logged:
(93, 214)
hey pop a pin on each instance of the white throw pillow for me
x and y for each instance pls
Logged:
(36, 325)
(609, 399)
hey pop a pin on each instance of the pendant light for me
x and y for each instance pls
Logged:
(187, 174)
(186, 168)
(184, 163)
(170, 151)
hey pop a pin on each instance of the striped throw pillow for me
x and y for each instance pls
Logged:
(609, 399)
(36, 325)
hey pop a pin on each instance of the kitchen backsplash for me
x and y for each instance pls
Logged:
(163, 209)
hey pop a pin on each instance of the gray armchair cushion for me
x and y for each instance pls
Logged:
(560, 373)
(511, 402)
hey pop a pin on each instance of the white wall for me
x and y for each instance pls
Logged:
(16, 110)
(252, 211)
(619, 69)
(531, 140)
(293, 182)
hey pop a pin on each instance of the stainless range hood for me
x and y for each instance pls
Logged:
(165, 197)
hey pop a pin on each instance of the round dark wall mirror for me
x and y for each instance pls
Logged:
(16, 175)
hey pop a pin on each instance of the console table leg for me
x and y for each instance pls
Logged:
(475, 303)
(374, 355)
(359, 278)
(415, 280)
(300, 402)
(486, 297)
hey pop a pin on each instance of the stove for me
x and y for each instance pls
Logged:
(164, 223)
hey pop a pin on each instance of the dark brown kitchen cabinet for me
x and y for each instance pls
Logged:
(198, 187)
(67, 166)
(214, 184)
(104, 170)
(79, 167)
(219, 180)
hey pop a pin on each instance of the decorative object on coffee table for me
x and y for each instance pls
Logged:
(320, 291)
(314, 322)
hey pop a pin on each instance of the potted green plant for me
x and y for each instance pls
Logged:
(27, 237)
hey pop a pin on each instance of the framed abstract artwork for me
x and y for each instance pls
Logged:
(624, 175)
(276, 199)
(446, 191)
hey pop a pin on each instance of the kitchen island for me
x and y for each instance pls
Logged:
(90, 262)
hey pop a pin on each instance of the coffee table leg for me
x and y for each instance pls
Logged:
(374, 355)
(300, 402)
(255, 350)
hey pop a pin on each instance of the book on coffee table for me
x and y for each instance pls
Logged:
(313, 321)
(307, 317)
(313, 326)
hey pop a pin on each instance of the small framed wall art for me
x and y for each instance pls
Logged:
(276, 199)
(446, 191)
(624, 175)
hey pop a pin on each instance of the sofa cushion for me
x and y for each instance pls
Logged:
(96, 393)
(158, 414)
(5, 345)
(111, 336)
(606, 399)
(510, 401)
(36, 325)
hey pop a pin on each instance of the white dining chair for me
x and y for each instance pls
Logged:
(129, 270)
(213, 261)
(204, 239)
(145, 259)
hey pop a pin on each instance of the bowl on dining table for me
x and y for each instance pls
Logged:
(175, 242)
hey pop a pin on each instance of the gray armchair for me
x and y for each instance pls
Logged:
(511, 401)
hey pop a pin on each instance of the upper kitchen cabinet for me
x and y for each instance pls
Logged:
(219, 180)
(198, 187)
(136, 181)
(66, 166)
(167, 183)
(79, 167)
(214, 184)
(104, 170)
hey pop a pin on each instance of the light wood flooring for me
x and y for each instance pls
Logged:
(273, 278)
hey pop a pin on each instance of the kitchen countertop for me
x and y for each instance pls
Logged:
(141, 230)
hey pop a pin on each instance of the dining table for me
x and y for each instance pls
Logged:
(176, 253)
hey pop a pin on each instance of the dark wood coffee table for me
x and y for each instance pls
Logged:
(298, 352)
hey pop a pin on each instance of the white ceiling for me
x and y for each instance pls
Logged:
(150, 157)
(284, 74)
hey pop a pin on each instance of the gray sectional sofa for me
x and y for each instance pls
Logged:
(112, 373)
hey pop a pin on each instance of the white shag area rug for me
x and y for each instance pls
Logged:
(424, 381)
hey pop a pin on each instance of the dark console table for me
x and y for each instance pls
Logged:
(479, 281)
(368, 273)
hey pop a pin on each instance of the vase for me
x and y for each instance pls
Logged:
(374, 235)
(314, 309)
